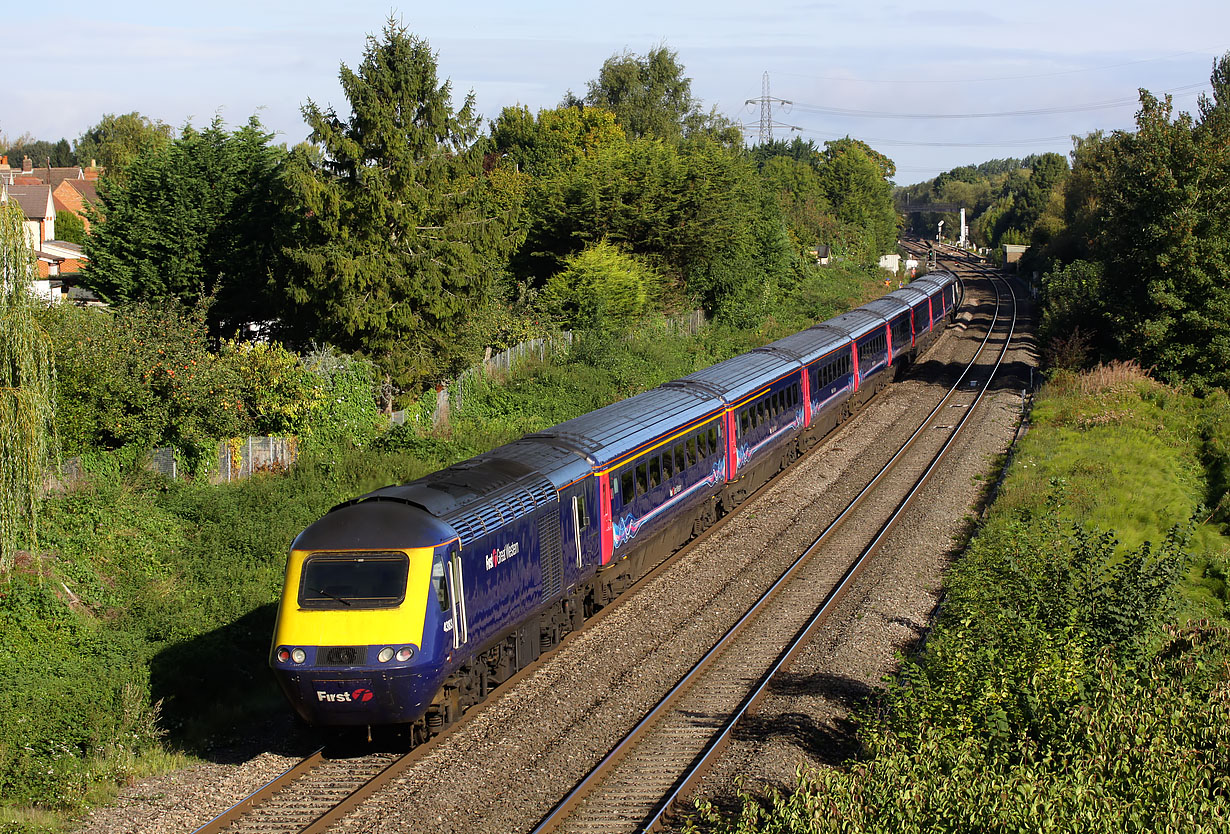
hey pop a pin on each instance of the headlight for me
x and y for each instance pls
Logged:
(405, 653)
(386, 654)
(298, 655)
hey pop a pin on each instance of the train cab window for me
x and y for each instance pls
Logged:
(642, 479)
(627, 484)
(582, 513)
(655, 472)
(713, 447)
(691, 446)
(438, 581)
(354, 580)
(681, 462)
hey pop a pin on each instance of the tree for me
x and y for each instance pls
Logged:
(198, 217)
(41, 153)
(600, 288)
(651, 97)
(70, 227)
(117, 141)
(399, 239)
(27, 392)
(556, 139)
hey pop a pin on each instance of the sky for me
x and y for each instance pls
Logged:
(927, 86)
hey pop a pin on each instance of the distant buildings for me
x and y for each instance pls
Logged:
(40, 193)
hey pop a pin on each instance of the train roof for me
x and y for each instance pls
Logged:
(735, 378)
(809, 345)
(888, 306)
(612, 432)
(475, 496)
(378, 525)
(910, 295)
(856, 323)
(933, 281)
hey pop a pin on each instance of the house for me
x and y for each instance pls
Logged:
(40, 211)
(74, 195)
(55, 257)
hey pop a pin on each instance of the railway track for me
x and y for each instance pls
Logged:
(638, 783)
(321, 790)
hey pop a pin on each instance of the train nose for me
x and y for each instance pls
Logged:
(359, 697)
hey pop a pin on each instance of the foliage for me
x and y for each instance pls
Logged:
(41, 153)
(143, 377)
(398, 237)
(27, 392)
(694, 212)
(554, 139)
(652, 98)
(600, 288)
(195, 218)
(116, 142)
(70, 227)
(839, 196)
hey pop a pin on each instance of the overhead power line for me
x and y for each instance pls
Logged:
(1041, 111)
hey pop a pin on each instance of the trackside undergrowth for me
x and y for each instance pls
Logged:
(1078, 677)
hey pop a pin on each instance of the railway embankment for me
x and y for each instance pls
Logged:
(1077, 675)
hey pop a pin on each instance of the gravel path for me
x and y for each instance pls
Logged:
(503, 770)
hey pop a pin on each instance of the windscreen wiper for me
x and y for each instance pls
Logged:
(323, 592)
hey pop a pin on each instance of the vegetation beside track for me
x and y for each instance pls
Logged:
(1078, 677)
(135, 638)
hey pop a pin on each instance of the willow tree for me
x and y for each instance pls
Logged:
(27, 391)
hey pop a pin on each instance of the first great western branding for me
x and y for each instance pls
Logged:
(500, 555)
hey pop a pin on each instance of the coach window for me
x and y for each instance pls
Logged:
(655, 471)
(691, 447)
(701, 449)
(628, 485)
(745, 424)
(642, 479)
(668, 465)
(681, 462)
(713, 440)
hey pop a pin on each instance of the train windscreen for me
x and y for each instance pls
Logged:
(353, 580)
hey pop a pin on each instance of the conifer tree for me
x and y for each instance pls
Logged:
(27, 391)
(399, 242)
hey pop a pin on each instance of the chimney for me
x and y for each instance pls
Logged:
(26, 165)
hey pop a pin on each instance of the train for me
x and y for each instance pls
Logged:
(407, 605)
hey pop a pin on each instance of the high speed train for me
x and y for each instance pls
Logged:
(408, 604)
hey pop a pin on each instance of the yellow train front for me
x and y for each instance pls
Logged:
(362, 628)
